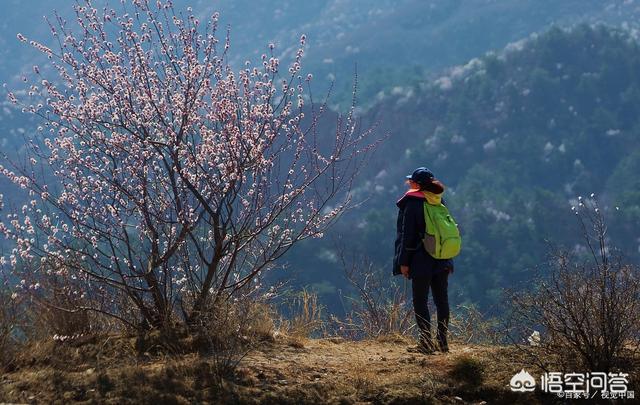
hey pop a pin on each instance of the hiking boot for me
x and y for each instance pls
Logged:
(442, 338)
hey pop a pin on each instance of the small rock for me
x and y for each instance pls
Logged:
(458, 399)
(89, 371)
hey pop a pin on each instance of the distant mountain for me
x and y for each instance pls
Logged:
(390, 41)
(373, 34)
(517, 136)
(387, 39)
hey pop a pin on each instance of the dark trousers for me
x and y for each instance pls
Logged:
(420, 287)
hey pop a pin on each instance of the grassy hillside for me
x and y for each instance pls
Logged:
(304, 371)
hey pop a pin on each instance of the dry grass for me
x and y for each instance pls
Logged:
(468, 370)
(108, 370)
(379, 308)
(363, 378)
(228, 332)
(8, 341)
(303, 320)
(469, 325)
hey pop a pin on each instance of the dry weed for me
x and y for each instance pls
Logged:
(229, 331)
(430, 385)
(380, 308)
(304, 317)
(363, 378)
(469, 325)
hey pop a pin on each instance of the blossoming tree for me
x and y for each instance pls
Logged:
(161, 175)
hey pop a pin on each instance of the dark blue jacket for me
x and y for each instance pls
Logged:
(409, 250)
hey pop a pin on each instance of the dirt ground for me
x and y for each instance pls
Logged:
(382, 371)
(286, 370)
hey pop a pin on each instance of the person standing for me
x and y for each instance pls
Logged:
(413, 261)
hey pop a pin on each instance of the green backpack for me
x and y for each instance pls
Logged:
(442, 237)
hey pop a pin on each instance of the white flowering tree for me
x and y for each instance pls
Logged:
(162, 176)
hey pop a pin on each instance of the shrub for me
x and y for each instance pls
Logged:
(380, 308)
(468, 370)
(585, 313)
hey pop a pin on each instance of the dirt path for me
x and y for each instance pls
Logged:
(366, 371)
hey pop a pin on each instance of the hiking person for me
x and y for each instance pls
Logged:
(412, 260)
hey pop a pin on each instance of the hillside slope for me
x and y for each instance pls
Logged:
(517, 136)
(303, 371)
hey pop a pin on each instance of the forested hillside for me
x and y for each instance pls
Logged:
(517, 135)
(389, 41)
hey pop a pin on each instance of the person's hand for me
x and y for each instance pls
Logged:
(405, 271)
(449, 267)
